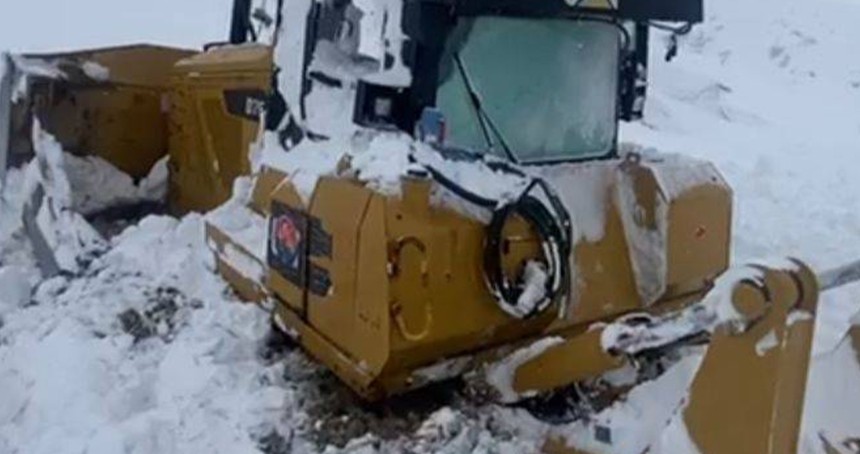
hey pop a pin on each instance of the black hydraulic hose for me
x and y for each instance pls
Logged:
(551, 222)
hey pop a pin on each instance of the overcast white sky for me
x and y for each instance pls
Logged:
(47, 25)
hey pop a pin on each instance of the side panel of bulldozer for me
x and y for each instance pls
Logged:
(217, 99)
(392, 287)
(106, 102)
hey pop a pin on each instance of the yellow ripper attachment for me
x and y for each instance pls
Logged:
(747, 396)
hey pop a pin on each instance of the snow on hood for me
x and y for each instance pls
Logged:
(380, 160)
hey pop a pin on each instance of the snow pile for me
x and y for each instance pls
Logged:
(44, 202)
(68, 238)
(50, 26)
(647, 242)
(244, 226)
(832, 394)
(95, 71)
(97, 185)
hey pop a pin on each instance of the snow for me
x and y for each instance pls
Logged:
(29, 67)
(95, 71)
(442, 370)
(245, 265)
(289, 50)
(97, 185)
(65, 231)
(16, 287)
(635, 422)
(829, 408)
(500, 375)
(245, 227)
(677, 173)
(763, 89)
(152, 396)
(305, 164)
(584, 190)
(647, 245)
(766, 343)
(533, 288)
(51, 25)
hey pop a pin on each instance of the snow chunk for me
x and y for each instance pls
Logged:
(243, 225)
(31, 67)
(500, 375)
(95, 71)
(647, 244)
(798, 316)
(382, 162)
(305, 164)
(534, 287)
(766, 343)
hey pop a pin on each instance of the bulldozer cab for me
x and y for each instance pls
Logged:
(532, 82)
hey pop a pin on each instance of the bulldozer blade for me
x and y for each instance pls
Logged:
(109, 102)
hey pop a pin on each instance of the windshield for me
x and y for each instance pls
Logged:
(547, 87)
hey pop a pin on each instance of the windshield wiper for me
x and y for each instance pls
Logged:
(487, 124)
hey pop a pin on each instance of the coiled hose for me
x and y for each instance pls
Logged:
(538, 205)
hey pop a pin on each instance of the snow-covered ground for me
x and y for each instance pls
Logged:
(144, 350)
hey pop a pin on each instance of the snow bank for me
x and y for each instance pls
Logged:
(633, 424)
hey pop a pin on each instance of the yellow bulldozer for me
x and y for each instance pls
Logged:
(419, 190)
